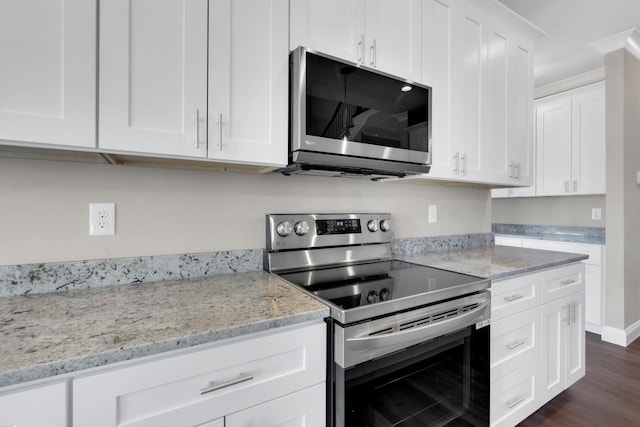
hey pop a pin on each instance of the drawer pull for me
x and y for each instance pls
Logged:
(514, 402)
(213, 386)
(515, 344)
(567, 282)
(513, 298)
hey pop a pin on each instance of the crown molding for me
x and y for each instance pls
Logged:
(629, 40)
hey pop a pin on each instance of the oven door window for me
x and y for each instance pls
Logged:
(442, 382)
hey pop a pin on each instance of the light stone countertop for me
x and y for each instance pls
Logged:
(494, 263)
(55, 333)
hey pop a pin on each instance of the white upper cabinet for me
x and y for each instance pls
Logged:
(380, 34)
(48, 72)
(248, 81)
(153, 76)
(480, 64)
(570, 137)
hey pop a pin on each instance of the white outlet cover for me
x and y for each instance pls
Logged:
(102, 219)
(596, 214)
(433, 214)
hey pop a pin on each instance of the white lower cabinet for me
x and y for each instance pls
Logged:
(537, 340)
(594, 272)
(42, 405)
(265, 380)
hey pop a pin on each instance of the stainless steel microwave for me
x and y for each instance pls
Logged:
(346, 120)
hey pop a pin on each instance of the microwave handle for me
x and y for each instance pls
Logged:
(422, 332)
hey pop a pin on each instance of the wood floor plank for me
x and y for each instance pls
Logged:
(608, 395)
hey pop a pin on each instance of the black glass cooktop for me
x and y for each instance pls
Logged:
(379, 288)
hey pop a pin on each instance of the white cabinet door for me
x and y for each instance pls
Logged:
(335, 27)
(497, 165)
(520, 115)
(467, 90)
(553, 146)
(575, 353)
(153, 76)
(248, 81)
(48, 72)
(393, 37)
(563, 344)
(553, 348)
(588, 141)
(305, 408)
(437, 18)
(42, 406)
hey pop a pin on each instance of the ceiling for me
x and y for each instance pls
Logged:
(571, 26)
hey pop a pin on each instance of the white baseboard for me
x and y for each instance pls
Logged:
(593, 328)
(621, 337)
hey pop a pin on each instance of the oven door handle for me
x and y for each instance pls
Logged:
(429, 331)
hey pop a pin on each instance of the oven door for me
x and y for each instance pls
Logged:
(441, 380)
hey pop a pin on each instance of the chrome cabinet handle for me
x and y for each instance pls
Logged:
(219, 131)
(566, 186)
(515, 344)
(457, 159)
(372, 53)
(360, 49)
(197, 142)
(513, 298)
(573, 311)
(464, 162)
(514, 402)
(575, 185)
(568, 318)
(512, 170)
(517, 171)
(567, 282)
(213, 386)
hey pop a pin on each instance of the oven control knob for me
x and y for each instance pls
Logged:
(283, 228)
(385, 225)
(372, 225)
(385, 294)
(301, 228)
(372, 297)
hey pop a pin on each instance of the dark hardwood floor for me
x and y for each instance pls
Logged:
(608, 395)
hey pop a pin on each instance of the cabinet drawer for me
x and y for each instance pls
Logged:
(515, 396)
(44, 405)
(515, 295)
(202, 385)
(515, 341)
(562, 281)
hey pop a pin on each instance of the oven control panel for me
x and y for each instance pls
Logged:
(307, 231)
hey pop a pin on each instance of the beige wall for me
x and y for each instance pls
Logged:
(569, 210)
(45, 207)
(622, 297)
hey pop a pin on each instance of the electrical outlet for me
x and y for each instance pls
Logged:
(433, 214)
(102, 219)
(596, 214)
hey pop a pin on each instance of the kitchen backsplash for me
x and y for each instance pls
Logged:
(50, 277)
(28, 279)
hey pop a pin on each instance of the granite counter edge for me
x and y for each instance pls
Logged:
(538, 267)
(50, 370)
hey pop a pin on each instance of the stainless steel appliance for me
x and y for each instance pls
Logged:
(408, 344)
(346, 120)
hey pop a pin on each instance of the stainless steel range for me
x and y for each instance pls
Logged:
(409, 344)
